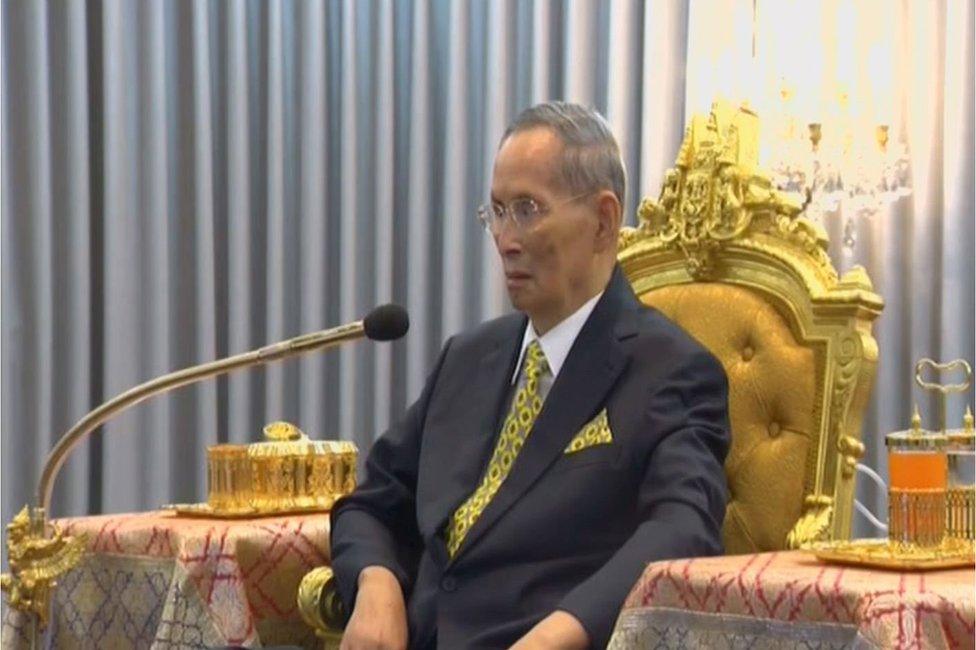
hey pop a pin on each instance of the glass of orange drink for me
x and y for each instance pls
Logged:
(917, 467)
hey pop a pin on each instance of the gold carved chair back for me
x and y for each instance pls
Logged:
(730, 259)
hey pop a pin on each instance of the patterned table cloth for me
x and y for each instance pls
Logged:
(790, 600)
(155, 580)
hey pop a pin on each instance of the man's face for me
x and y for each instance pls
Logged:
(548, 264)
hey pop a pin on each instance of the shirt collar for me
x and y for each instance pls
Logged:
(557, 342)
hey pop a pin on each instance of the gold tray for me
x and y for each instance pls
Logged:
(883, 554)
(204, 511)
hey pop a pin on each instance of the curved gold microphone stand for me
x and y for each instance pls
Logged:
(38, 552)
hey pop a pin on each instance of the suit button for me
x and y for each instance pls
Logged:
(449, 584)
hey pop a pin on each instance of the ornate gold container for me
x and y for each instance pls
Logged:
(286, 473)
(961, 483)
(917, 494)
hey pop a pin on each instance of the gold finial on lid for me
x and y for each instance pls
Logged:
(282, 432)
(916, 420)
(967, 420)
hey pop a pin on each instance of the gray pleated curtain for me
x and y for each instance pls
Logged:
(184, 180)
(188, 180)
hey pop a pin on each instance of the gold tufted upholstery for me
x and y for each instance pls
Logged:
(771, 389)
(730, 260)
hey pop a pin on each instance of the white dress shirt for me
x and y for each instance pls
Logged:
(557, 342)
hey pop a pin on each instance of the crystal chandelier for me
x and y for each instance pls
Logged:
(826, 80)
(826, 77)
(837, 164)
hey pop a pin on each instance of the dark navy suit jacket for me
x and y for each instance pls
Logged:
(565, 531)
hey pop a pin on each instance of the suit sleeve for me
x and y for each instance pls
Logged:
(377, 523)
(682, 495)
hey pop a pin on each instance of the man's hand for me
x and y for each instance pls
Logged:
(379, 619)
(560, 630)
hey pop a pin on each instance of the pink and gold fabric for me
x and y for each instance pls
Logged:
(157, 580)
(790, 600)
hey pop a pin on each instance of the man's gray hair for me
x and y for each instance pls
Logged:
(591, 156)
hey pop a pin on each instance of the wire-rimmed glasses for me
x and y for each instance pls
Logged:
(525, 212)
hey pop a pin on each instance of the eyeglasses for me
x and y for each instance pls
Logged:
(524, 212)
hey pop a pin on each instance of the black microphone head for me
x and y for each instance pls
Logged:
(386, 323)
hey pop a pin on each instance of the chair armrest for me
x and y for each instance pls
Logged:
(320, 605)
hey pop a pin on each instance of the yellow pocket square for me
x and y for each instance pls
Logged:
(594, 432)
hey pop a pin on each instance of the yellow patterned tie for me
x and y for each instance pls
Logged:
(521, 416)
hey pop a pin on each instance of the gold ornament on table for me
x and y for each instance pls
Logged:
(961, 484)
(286, 473)
(961, 490)
(931, 500)
(960, 447)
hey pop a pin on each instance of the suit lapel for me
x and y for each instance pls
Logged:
(594, 363)
(462, 445)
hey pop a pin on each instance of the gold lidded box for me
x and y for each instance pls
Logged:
(287, 472)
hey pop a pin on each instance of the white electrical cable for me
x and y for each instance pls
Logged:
(870, 516)
(874, 476)
(864, 469)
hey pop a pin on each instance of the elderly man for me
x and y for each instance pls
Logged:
(554, 451)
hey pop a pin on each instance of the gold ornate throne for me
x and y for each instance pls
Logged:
(728, 258)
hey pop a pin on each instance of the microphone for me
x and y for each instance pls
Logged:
(384, 323)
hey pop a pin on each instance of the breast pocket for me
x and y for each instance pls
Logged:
(592, 457)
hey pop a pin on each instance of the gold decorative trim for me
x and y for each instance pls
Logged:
(851, 450)
(36, 563)
(206, 511)
(715, 195)
(884, 554)
(319, 603)
(814, 524)
(847, 362)
(716, 202)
